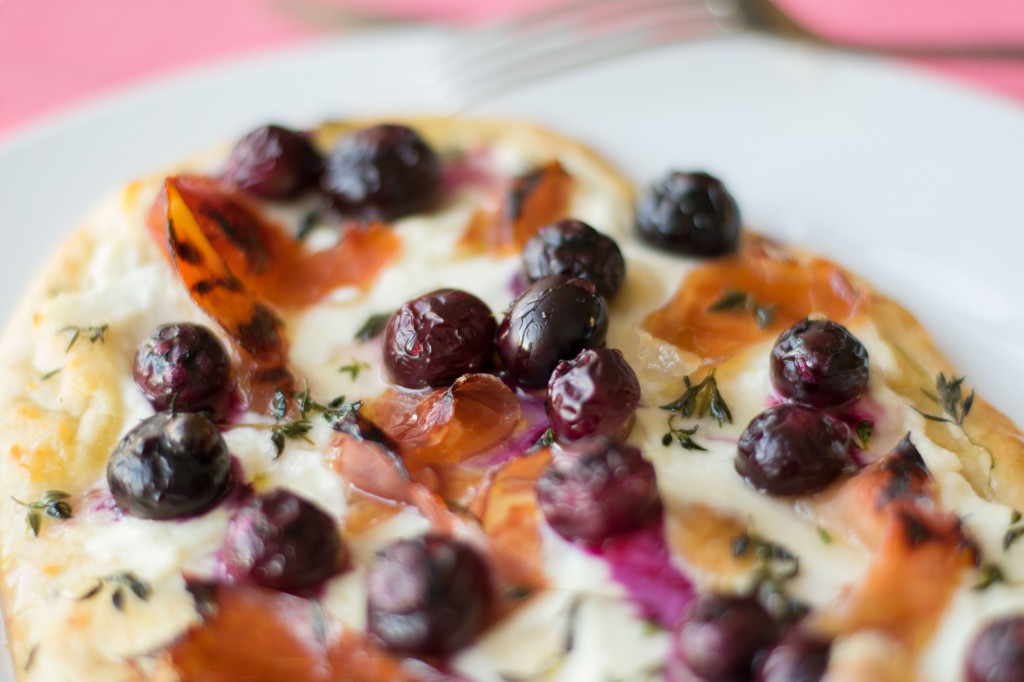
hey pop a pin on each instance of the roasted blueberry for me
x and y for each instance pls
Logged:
(820, 363)
(553, 320)
(575, 249)
(997, 652)
(722, 637)
(597, 488)
(594, 394)
(793, 449)
(170, 466)
(427, 596)
(797, 657)
(183, 367)
(282, 541)
(274, 162)
(382, 173)
(436, 338)
(689, 213)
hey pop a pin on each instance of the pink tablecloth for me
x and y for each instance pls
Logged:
(55, 53)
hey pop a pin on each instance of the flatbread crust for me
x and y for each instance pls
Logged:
(64, 406)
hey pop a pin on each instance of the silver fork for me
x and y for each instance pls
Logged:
(499, 57)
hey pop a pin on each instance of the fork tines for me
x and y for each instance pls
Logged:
(501, 56)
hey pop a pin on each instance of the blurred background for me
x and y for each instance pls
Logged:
(58, 54)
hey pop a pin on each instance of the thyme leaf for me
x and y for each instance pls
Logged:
(571, 617)
(279, 405)
(354, 368)
(737, 300)
(49, 375)
(1014, 530)
(53, 503)
(825, 536)
(543, 440)
(93, 334)
(373, 326)
(988, 575)
(702, 399)
(864, 430)
(299, 428)
(949, 394)
(518, 592)
(92, 591)
(307, 223)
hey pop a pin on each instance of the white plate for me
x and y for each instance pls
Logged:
(910, 181)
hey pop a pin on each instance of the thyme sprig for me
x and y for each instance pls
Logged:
(702, 399)
(332, 412)
(120, 581)
(774, 566)
(373, 326)
(949, 394)
(281, 431)
(737, 300)
(698, 401)
(298, 428)
(93, 334)
(864, 430)
(683, 436)
(53, 503)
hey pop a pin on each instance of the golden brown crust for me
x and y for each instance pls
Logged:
(990, 446)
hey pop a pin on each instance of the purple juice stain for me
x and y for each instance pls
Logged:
(472, 169)
(533, 423)
(641, 563)
(517, 284)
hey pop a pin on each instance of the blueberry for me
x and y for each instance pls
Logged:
(382, 173)
(797, 657)
(170, 466)
(597, 488)
(553, 320)
(575, 249)
(689, 213)
(792, 449)
(434, 339)
(183, 367)
(997, 652)
(820, 363)
(722, 637)
(274, 162)
(427, 596)
(282, 541)
(594, 394)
